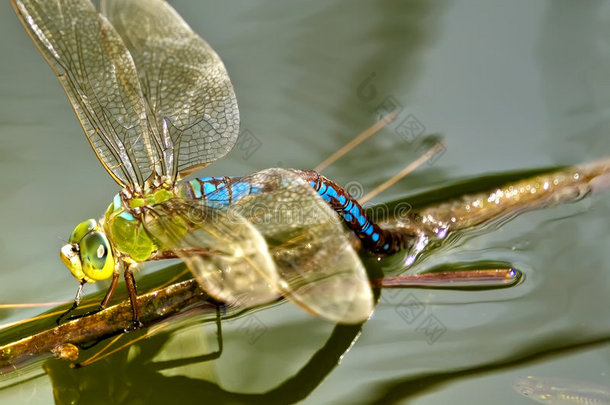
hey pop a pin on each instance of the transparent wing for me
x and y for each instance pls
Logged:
(226, 254)
(99, 76)
(284, 240)
(318, 268)
(186, 86)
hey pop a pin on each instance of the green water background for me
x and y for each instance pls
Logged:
(511, 85)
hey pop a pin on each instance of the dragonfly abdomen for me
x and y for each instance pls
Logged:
(221, 192)
(373, 237)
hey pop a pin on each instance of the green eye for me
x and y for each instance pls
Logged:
(96, 256)
(81, 230)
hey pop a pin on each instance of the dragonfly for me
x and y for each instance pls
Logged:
(156, 104)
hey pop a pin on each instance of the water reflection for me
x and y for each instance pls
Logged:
(118, 379)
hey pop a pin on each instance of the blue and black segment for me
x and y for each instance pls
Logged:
(220, 192)
(373, 237)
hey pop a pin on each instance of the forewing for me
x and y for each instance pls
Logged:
(186, 86)
(98, 75)
(318, 268)
(226, 254)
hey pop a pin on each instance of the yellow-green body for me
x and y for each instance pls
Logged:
(97, 250)
(127, 233)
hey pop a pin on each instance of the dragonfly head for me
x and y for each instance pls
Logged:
(88, 254)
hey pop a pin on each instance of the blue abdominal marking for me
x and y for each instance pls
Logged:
(212, 193)
(322, 191)
(242, 189)
(329, 193)
(210, 189)
(355, 211)
(372, 236)
(221, 192)
(351, 212)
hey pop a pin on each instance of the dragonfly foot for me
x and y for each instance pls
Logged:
(63, 318)
(135, 325)
(79, 292)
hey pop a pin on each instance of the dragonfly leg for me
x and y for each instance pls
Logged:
(110, 291)
(103, 304)
(77, 298)
(130, 282)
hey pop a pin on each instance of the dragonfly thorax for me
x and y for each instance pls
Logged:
(88, 253)
(134, 198)
(124, 220)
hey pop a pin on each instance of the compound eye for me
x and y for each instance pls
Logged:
(96, 256)
(81, 230)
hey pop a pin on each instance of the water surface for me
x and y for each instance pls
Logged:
(516, 85)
